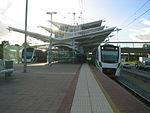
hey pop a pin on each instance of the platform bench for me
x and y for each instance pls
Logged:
(6, 68)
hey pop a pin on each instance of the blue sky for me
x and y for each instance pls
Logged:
(114, 12)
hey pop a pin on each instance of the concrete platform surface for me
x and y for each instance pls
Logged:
(40, 90)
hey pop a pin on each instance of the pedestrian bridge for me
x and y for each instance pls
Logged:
(135, 50)
(133, 47)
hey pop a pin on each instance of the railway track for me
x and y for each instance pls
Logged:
(134, 90)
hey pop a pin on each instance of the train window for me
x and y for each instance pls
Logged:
(109, 56)
(109, 48)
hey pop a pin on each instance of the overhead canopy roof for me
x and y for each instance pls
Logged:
(83, 26)
(85, 35)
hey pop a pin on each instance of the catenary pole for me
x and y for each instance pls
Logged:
(50, 39)
(25, 42)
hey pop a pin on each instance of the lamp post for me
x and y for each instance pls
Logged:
(50, 39)
(25, 42)
(74, 30)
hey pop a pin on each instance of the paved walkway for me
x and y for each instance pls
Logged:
(40, 90)
(89, 98)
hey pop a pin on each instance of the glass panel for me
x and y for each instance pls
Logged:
(63, 56)
(110, 56)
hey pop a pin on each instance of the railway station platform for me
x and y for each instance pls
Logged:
(88, 97)
(64, 88)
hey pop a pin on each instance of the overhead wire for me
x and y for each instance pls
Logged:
(81, 4)
(122, 27)
(135, 14)
(136, 18)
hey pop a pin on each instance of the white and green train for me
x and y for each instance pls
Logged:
(108, 59)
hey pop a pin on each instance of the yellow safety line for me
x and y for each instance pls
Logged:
(115, 109)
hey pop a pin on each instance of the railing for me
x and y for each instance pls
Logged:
(130, 44)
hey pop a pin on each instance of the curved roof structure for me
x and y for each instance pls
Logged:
(86, 35)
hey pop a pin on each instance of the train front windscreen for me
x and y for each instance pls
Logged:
(109, 54)
(29, 53)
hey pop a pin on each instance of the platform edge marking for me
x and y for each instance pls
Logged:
(115, 109)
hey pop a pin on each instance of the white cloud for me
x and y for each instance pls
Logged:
(3, 30)
(145, 21)
(141, 34)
